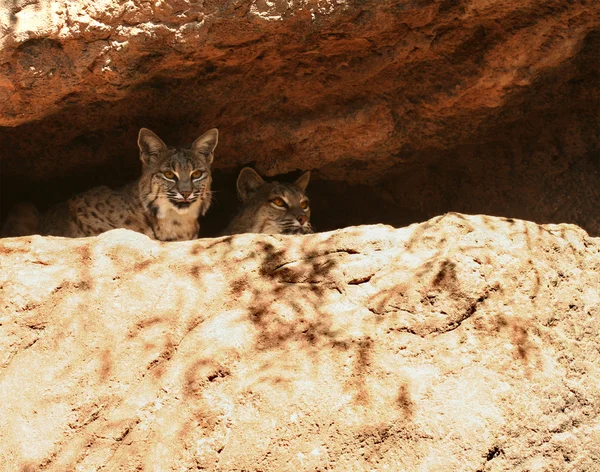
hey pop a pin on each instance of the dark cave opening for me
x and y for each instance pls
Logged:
(406, 196)
(334, 204)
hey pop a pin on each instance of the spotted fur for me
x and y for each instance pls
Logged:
(164, 203)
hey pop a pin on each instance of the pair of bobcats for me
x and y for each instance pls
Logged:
(166, 201)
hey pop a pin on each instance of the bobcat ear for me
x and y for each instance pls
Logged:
(302, 181)
(248, 182)
(207, 143)
(150, 145)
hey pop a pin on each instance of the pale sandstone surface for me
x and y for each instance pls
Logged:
(463, 343)
(476, 106)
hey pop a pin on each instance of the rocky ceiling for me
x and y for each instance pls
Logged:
(403, 109)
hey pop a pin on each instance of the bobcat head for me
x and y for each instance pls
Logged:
(271, 207)
(176, 179)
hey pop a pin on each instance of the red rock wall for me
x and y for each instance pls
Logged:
(404, 109)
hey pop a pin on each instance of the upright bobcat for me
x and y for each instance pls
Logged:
(164, 203)
(271, 207)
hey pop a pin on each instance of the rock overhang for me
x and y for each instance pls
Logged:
(434, 106)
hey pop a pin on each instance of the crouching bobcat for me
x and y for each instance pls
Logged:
(271, 207)
(164, 203)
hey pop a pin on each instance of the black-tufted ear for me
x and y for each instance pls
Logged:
(150, 145)
(302, 181)
(207, 143)
(248, 182)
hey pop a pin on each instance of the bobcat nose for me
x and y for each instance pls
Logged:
(302, 219)
(186, 195)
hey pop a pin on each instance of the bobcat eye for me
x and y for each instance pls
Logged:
(304, 205)
(278, 202)
(169, 175)
(197, 174)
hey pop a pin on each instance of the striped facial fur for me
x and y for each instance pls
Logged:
(271, 207)
(176, 180)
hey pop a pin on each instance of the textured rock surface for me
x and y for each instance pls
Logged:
(462, 343)
(476, 106)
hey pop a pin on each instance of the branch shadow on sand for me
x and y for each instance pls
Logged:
(129, 324)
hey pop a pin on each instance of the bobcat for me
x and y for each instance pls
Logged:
(164, 203)
(271, 207)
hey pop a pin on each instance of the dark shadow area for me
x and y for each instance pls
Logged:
(334, 204)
